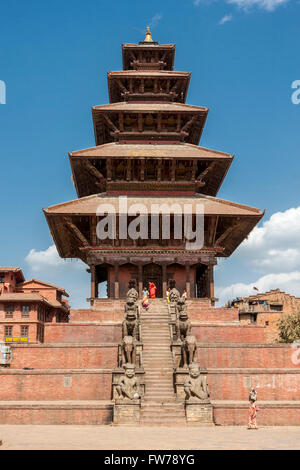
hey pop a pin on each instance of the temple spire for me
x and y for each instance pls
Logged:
(148, 37)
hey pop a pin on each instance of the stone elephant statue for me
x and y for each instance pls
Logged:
(128, 350)
(189, 350)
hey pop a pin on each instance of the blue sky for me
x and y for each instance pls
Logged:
(243, 55)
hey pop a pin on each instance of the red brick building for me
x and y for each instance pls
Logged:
(266, 309)
(25, 307)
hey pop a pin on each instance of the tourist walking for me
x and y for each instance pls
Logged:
(145, 301)
(252, 424)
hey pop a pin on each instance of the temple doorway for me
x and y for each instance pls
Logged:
(201, 281)
(102, 282)
(153, 273)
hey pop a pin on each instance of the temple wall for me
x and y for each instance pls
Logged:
(271, 384)
(222, 333)
(61, 413)
(95, 384)
(82, 333)
(64, 356)
(56, 384)
(247, 355)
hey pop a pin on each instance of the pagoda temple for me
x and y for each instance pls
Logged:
(147, 149)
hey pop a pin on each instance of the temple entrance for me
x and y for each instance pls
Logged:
(101, 289)
(153, 273)
(201, 281)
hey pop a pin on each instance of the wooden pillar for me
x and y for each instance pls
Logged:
(140, 279)
(210, 278)
(187, 281)
(94, 285)
(164, 280)
(117, 293)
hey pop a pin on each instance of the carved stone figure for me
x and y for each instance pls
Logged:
(181, 306)
(195, 386)
(189, 350)
(174, 294)
(128, 350)
(128, 386)
(183, 325)
(132, 293)
(130, 324)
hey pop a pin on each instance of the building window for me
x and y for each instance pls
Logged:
(9, 311)
(267, 323)
(40, 334)
(24, 331)
(2, 278)
(8, 331)
(25, 311)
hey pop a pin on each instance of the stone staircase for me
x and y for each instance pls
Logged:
(159, 406)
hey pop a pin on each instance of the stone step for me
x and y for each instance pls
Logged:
(163, 415)
(150, 423)
(160, 396)
(164, 363)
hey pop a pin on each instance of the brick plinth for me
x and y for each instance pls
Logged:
(271, 413)
(65, 356)
(93, 413)
(271, 384)
(56, 384)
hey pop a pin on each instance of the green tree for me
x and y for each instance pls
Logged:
(289, 328)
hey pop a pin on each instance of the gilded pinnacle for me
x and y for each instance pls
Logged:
(148, 37)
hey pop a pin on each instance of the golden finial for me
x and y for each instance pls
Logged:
(148, 37)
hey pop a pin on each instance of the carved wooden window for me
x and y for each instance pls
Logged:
(9, 311)
(24, 331)
(8, 331)
(25, 311)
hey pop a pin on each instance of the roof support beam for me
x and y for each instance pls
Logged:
(227, 232)
(92, 169)
(212, 230)
(75, 231)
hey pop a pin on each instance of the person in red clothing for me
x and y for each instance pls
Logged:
(152, 289)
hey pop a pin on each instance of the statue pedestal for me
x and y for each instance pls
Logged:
(176, 351)
(127, 412)
(199, 413)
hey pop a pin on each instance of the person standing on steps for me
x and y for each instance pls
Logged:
(168, 295)
(184, 295)
(152, 288)
(145, 300)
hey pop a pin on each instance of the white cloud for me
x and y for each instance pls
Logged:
(276, 244)
(287, 282)
(49, 258)
(38, 260)
(225, 19)
(155, 20)
(246, 5)
(271, 256)
(268, 5)
(69, 274)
